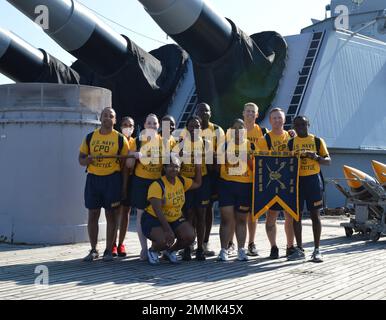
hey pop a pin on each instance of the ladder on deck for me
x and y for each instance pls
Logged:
(189, 109)
(304, 78)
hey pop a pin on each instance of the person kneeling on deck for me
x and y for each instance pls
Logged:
(104, 179)
(162, 222)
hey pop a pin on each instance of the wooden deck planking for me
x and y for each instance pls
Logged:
(276, 282)
(321, 281)
(70, 278)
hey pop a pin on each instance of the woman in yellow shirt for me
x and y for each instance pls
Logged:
(235, 190)
(147, 168)
(127, 128)
(163, 222)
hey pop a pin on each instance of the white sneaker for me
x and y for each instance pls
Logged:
(223, 255)
(242, 255)
(171, 256)
(152, 257)
(231, 249)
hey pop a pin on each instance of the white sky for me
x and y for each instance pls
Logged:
(284, 16)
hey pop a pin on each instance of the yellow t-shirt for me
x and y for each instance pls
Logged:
(193, 151)
(150, 166)
(214, 135)
(173, 198)
(279, 142)
(308, 166)
(254, 134)
(239, 171)
(172, 142)
(104, 145)
(132, 145)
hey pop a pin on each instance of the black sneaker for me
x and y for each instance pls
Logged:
(274, 253)
(297, 255)
(316, 256)
(93, 254)
(289, 251)
(200, 256)
(108, 256)
(252, 251)
(186, 255)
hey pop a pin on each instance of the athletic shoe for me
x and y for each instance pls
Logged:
(242, 255)
(192, 249)
(223, 255)
(200, 256)
(115, 250)
(207, 251)
(93, 254)
(186, 255)
(252, 251)
(274, 253)
(316, 256)
(297, 255)
(121, 250)
(171, 256)
(289, 251)
(107, 256)
(231, 249)
(152, 257)
(143, 255)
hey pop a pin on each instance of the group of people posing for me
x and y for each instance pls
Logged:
(172, 179)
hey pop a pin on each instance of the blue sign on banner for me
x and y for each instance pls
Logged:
(276, 180)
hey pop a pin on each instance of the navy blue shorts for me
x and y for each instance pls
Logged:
(103, 191)
(311, 192)
(127, 200)
(148, 222)
(214, 178)
(198, 198)
(236, 194)
(139, 189)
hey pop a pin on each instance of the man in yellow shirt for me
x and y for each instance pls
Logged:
(277, 140)
(104, 179)
(215, 134)
(313, 153)
(196, 201)
(254, 132)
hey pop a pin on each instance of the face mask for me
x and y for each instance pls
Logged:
(127, 131)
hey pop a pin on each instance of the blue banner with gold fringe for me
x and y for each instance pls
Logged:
(276, 180)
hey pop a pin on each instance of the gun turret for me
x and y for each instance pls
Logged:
(37, 65)
(231, 68)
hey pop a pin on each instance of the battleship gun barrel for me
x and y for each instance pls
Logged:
(194, 25)
(231, 68)
(80, 33)
(12, 51)
(37, 65)
(141, 82)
